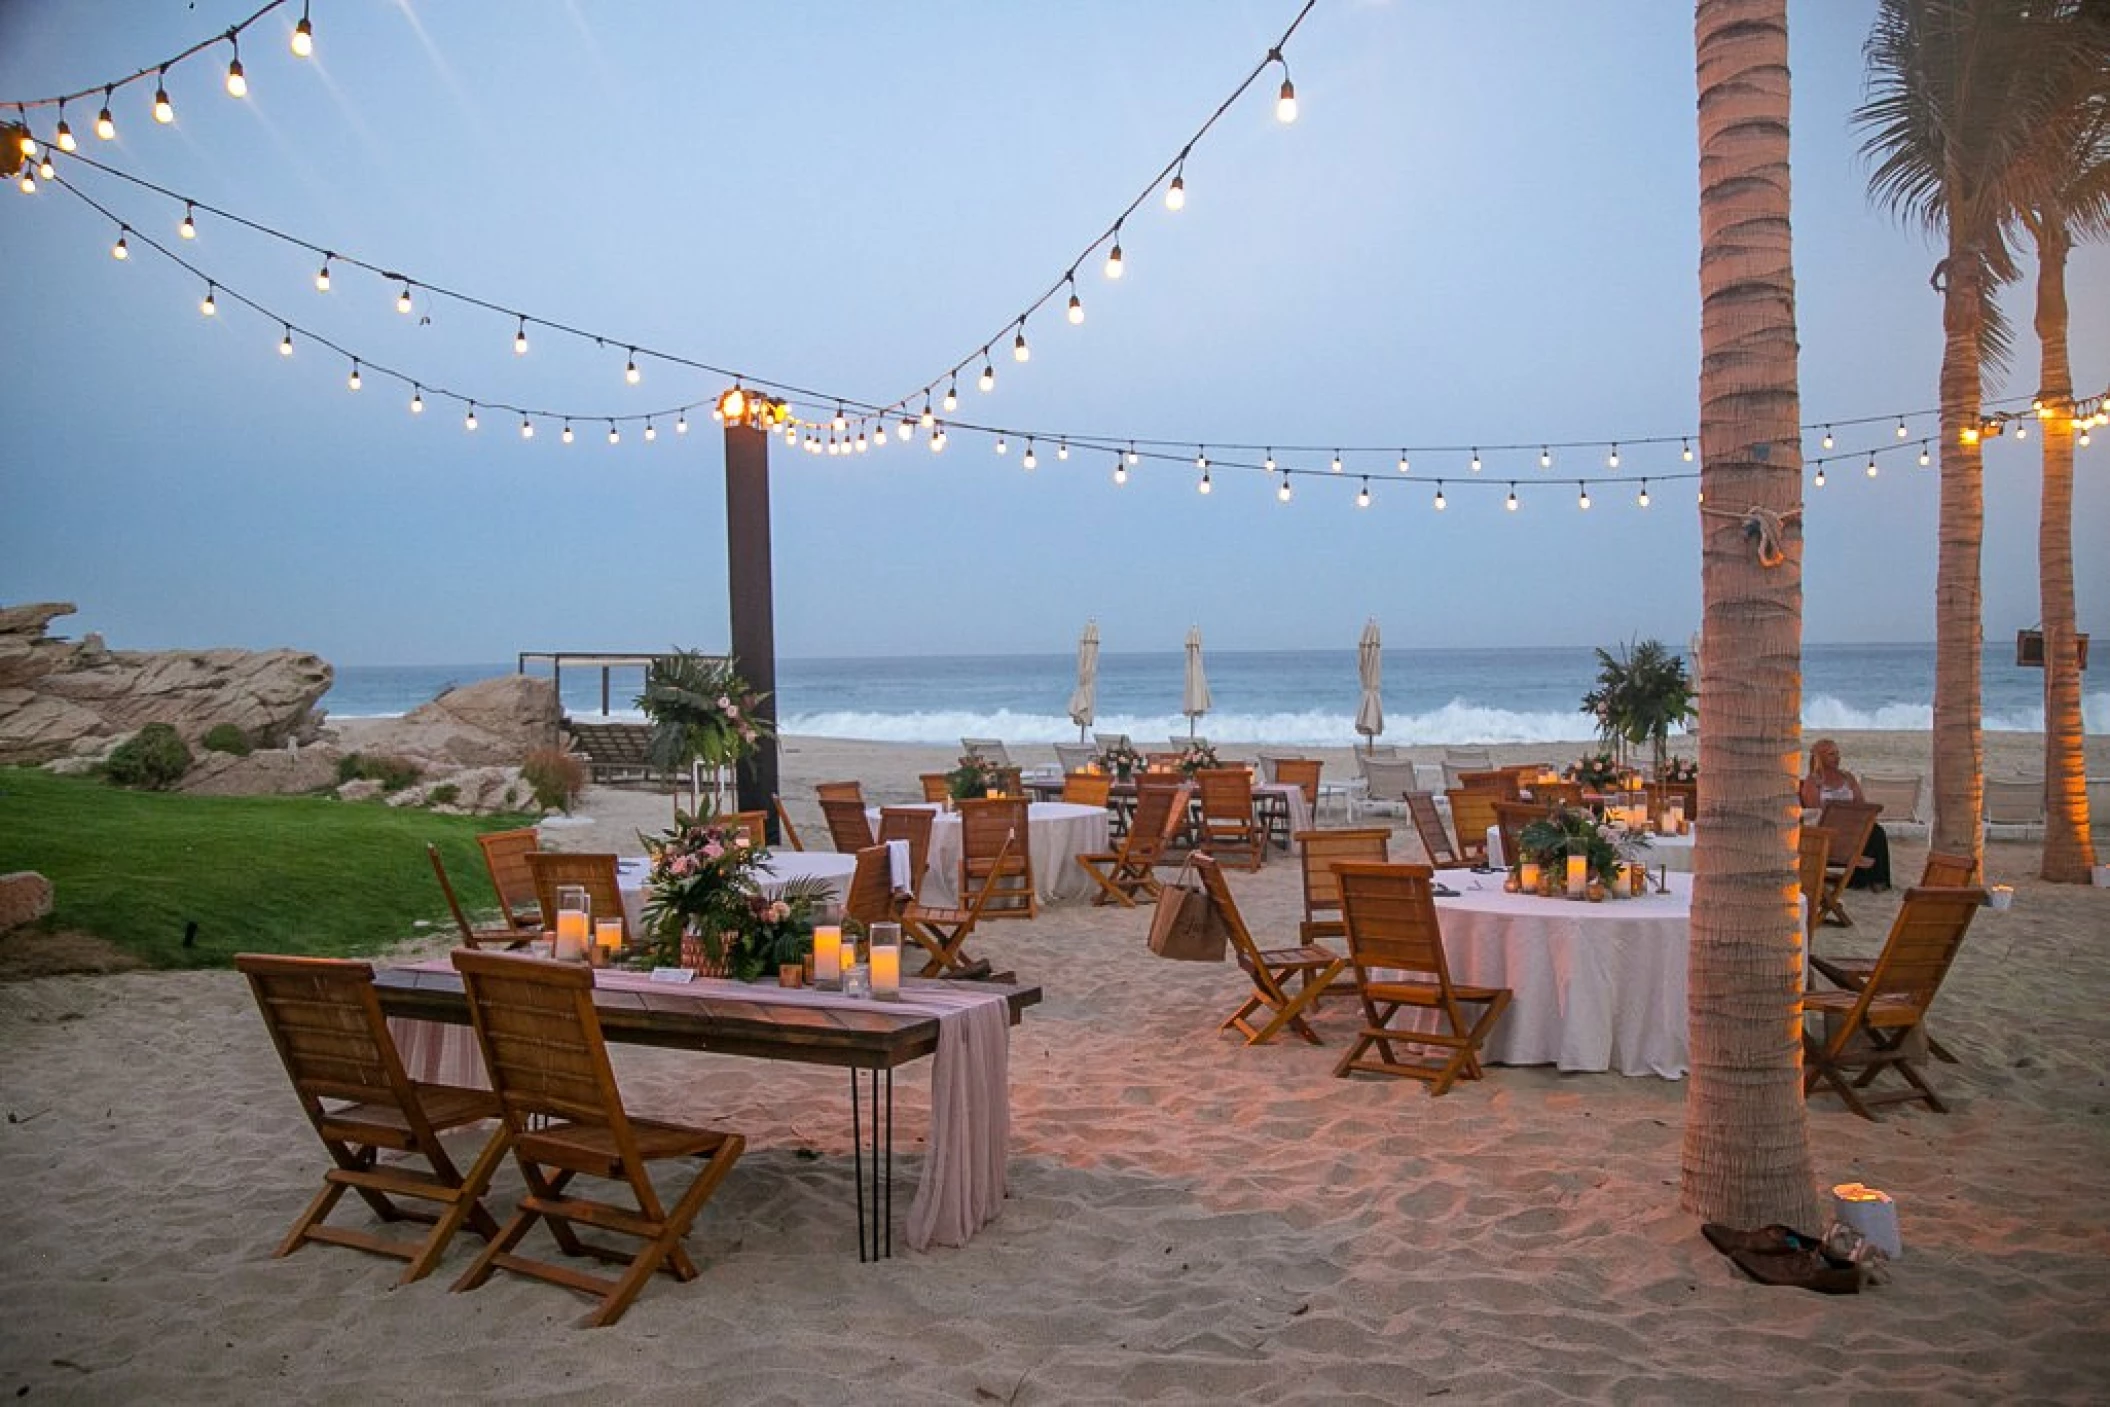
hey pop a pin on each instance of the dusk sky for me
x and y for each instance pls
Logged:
(1482, 229)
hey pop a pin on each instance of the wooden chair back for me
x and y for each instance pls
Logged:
(986, 823)
(475, 937)
(840, 791)
(1851, 823)
(788, 831)
(1814, 852)
(1948, 871)
(755, 823)
(326, 1023)
(943, 932)
(595, 873)
(848, 827)
(1549, 794)
(1228, 826)
(1087, 788)
(1390, 914)
(1510, 819)
(1472, 812)
(937, 786)
(1303, 774)
(911, 824)
(1011, 781)
(1498, 780)
(871, 896)
(505, 856)
(1436, 842)
(1318, 852)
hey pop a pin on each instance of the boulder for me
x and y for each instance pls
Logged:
(25, 897)
(491, 723)
(273, 771)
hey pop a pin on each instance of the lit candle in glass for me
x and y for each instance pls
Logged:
(1578, 875)
(828, 955)
(886, 970)
(1528, 877)
(608, 933)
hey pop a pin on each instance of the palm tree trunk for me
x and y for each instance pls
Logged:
(2069, 850)
(1746, 1156)
(1959, 746)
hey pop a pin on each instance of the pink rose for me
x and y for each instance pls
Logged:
(714, 850)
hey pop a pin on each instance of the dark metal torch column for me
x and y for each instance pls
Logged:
(754, 638)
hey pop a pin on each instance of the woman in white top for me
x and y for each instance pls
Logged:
(1828, 781)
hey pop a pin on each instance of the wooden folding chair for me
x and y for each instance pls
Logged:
(1087, 788)
(784, 826)
(1851, 823)
(501, 936)
(840, 791)
(1870, 1027)
(937, 786)
(912, 825)
(1550, 794)
(326, 1022)
(942, 931)
(1510, 819)
(596, 874)
(871, 896)
(1472, 812)
(505, 856)
(1948, 871)
(849, 828)
(563, 1118)
(1395, 943)
(985, 824)
(1428, 825)
(1228, 826)
(1319, 851)
(1127, 870)
(1852, 973)
(1272, 970)
(1501, 781)
(1303, 774)
(1814, 853)
(755, 823)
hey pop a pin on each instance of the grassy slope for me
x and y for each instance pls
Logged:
(265, 873)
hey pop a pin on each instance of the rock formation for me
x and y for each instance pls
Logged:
(60, 699)
(491, 723)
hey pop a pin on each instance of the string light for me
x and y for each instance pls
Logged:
(208, 307)
(1031, 460)
(1827, 437)
(1641, 499)
(1926, 457)
(1201, 458)
(1818, 482)
(1403, 466)
(1582, 497)
(1476, 460)
(1204, 486)
(520, 342)
(681, 425)
(1062, 449)
(121, 250)
(1336, 461)
(1176, 193)
(1901, 427)
(189, 228)
(651, 431)
(1019, 350)
(1076, 313)
(1120, 471)
(164, 110)
(1283, 493)
(353, 382)
(1002, 446)
(1286, 100)
(1362, 497)
(1545, 456)
(1685, 451)
(1133, 457)
(469, 420)
(527, 428)
(615, 436)
(1441, 503)
(28, 180)
(952, 393)
(237, 81)
(322, 276)
(630, 371)
(1269, 463)
(403, 299)
(1612, 459)
(1113, 257)
(841, 421)
(65, 133)
(1871, 466)
(285, 344)
(105, 125)
(303, 34)
(417, 400)
(987, 380)
(1512, 498)
(904, 429)
(44, 166)
(927, 420)
(566, 436)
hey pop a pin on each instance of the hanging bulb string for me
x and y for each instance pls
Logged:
(151, 70)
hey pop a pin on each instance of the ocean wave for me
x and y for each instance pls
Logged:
(1455, 722)
(1825, 714)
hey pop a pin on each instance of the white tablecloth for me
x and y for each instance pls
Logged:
(778, 870)
(1293, 796)
(1058, 832)
(1672, 852)
(1596, 986)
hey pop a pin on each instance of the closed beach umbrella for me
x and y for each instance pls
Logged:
(1084, 701)
(1369, 664)
(1195, 701)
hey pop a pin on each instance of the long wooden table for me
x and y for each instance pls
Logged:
(869, 1037)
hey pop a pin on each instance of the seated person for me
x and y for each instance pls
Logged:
(1828, 781)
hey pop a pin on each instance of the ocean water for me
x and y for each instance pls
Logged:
(1294, 698)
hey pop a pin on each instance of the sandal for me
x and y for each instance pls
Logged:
(1767, 1240)
(1803, 1269)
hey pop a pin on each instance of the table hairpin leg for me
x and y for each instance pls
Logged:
(879, 1243)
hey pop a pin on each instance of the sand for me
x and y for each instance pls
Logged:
(1189, 1219)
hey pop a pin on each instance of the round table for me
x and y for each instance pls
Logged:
(1057, 832)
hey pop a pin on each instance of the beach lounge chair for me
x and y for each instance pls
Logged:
(1867, 1030)
(1436, 843)
(615, 752)
(1127, 871)
(1319, 851)
(1286, 982)
(986, 823)
(848, 827)
(505, 857)
(1228, 826)
(1107, 740)
(1386, 783)
(1395, 944)
(563, 1119)
(2015, 806)
(937, 786)
(1899, 795)
(1851, 823)
(326, 1022)
(1075, 757)
(596, 874)
(942, 931)
(1267, 757)
(502, 936)
(788, 831)
(988, 750)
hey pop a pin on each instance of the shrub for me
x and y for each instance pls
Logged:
(393, 773)
(154, 758)
(557, 777)
(445, 794)
(229, 738)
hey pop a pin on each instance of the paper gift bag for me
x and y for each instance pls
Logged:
(1186, 925)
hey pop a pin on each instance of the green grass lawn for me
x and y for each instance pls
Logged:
(275, 874)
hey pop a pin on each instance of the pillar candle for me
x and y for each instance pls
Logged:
(886, 970)
(608, 932)
(1528, 877)
(828, 954)
(1578, 874)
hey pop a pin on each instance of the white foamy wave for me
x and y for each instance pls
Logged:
(1456, 722)
(1825, 714)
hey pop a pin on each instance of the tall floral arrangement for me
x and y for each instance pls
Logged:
(701, 709)
(703, 883)
(1642, 693)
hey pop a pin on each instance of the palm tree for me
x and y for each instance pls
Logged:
(2071, 189)
(1955, 102)
(1746, 1158)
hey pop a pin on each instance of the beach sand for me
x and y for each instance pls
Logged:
(1189, 1219)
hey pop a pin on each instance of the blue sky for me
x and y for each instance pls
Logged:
(1482, 229)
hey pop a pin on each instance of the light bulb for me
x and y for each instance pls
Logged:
(863, 444)
(1201, 458)
(1286, 102)
(952, 395)
(303, 36)
(1120, 470)
(841, 421)
(1871, 466)
(2021, 426)
(1827, 441)
(285, 344)
(1476, 461)
(44, 166)
(237, 81)
(208, 307)
(1403, 465)
(1440, 502)
(189, 228)
(1031, 460)
(1113, 259)
(1819, 480)
(1076, 313)
(2082, 439)
(469, 420)
(1582, 498)
(322, 277)
(937, 441)
(28, 143)
(1641, 499)
(353, 382)
(520, 342)
(1204, 486)
(681, 423)
(904, 429)
(1062, 449)
(121, 250)
(1545, 456)
(1133, 457)
(1901, 427)
(28, 181)
(1688, 451)
(1512, 498)
(1362, 496)
(403, 300)
(987, 380)
(1283, 492)
(164, 110)
(630, 371)
(527, 428)
(417, 400)
(651, 430)
(1612, 459)
(1269, 463)
(1019, 350)
(1001, 446)
(1968, 435)
(105, 125)
(1176, 194)
(65, 133)
(1925, 457)
(928, 420)
(615, 436)
(567, 432)
(834, 449)
(1336, 461)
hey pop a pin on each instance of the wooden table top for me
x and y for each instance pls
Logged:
(868, 1036)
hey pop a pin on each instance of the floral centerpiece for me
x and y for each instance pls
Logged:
(1565, 831)
(703, 889)
(974, 776)
(1120, 760)
(1195, 756)
(781, 929)
(1642, 693)
(701, 709)
(1679, 769)
(1598, 771)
